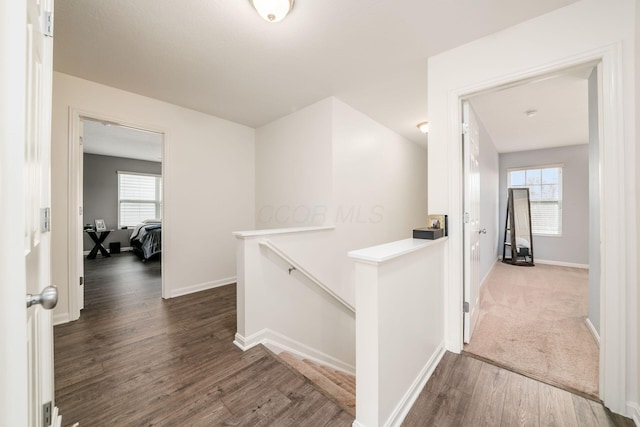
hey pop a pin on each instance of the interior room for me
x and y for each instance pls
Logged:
(121, 204)
(286, 152)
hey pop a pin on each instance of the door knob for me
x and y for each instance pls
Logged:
(482, 231)
(48, 298)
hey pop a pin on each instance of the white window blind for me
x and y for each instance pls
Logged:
(545, 194)
(139, 198)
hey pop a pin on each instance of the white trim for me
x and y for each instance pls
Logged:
(562, 263)
(61, 318)
(125, 249)
(498, 260)
(634, 412)
(278, 343)
(201, 287)
(274, 231)
(593, 331)
(404, 406)
(56, 417)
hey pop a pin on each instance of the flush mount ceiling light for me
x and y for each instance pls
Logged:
(273, 10)
(531, 113)
(424, 127)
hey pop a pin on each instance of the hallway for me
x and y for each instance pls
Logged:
(134, 359)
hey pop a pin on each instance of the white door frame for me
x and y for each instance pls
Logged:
(613, 329)
(74, 226)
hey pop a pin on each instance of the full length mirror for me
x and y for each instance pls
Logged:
(518, 237)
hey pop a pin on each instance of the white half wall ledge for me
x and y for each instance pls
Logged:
(276, 231)
(202, 287)
(388, 251)
(279, 343)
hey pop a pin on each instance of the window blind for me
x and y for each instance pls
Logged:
(139, 198)
(545, 193)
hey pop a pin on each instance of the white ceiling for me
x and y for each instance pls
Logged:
(108, 139)
(221, 58)
(562, 117)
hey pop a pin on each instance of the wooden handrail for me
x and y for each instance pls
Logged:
(297, 267)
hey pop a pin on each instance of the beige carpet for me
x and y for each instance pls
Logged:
(532, 320)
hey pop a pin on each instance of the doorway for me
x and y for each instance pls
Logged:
(116, 187)
(539, 321)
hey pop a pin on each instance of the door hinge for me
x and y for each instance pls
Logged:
(81, 140)
(465, 307)
(47, 26)
(81, 280)
(80, 210)
(465, 128)
(466, 217)
(46, 414)
(45, 220)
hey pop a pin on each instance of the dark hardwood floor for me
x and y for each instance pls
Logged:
(465, 391)
(134, 359)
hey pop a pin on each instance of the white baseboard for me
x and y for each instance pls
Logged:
(634, 412)
(60, 318)
(278, 343)
(561, 263)
(125, 249)
(489, 272)
(400, 412)
(201, 287)
(593, 331)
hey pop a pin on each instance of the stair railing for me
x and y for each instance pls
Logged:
(294, 266)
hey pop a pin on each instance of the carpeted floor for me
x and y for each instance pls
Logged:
(532, 320)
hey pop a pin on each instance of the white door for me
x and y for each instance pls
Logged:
(26, 337)
(471, 154)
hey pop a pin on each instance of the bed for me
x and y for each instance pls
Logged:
(146, 239)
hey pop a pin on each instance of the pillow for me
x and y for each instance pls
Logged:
(152, 221)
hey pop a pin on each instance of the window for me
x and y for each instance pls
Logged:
(545, 193)
(139, 198)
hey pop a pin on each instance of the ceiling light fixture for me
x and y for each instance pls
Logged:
(273, 10)
(531, 113)
(424, 127)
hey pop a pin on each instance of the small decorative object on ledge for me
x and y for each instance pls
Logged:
(439, 221)
(100, 225)
(428, 233)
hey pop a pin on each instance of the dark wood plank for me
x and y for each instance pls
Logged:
(521, 403)
(487, 400)
(556, 407)
(136, 359)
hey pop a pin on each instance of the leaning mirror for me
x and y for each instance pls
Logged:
(517, 248)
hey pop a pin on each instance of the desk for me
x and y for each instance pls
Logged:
(98, 237)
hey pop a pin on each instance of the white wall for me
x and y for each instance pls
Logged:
(376, 188)
(583, 31)
(208, 183)
(379, 184)
(573, 246)
(293, 168)
(489, 180)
